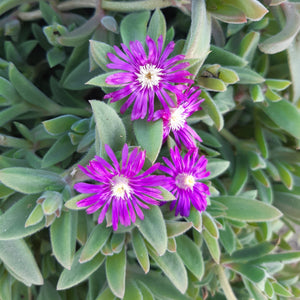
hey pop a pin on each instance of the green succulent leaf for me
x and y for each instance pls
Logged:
(97, 239)
(30, 181)
(243, 209)
(109, 126)
(153, 228)
(134, 26)
(63, 238)
(115, 272)
(149, 136)
(16, 255)
(173, 267)
(12, 222)
(190, 255)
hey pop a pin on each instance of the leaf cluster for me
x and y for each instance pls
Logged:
(245, 57)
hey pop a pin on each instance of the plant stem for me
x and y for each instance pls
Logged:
(64, 6)
(230, 137)
(225, 284)
(131, 6)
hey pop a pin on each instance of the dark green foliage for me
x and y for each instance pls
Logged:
(53, 117)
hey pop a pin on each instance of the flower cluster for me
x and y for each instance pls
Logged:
(146, 75)
(123, 188)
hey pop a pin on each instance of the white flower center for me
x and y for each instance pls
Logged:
(149, 76)
(120, 187)
(185, 181)
(178, 118)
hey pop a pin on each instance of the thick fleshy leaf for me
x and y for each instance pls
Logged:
(109, 126)
(240, 175)
(149, 137)
(282, 40)
(216, 167)
(133, 27)
(71, 204)
(277, 84)
(153, 228)
(172, 244)
(117, 242)
(77, 78)
(100, 80)
(290, 206)
(132, 291)
(106, 294)
(60, 124)
(211, 84)
(287, 257)
(98, 51)
(224, 57)
(212, 245)
(261, 141)
(247, 76)
(190, 255)
(8, 91)
(253, 273)
(157, 25)
(161, 287)
(30, 181)
(172, 265)
(285, 115)
(210, 225)
(177, 228)
(256, 93)
(255, 161)
(269, 289)
(35, 217)
(228, 76)
(212, 110)
(198, 41)
(244, 209)
(250, 253)
(81, 34)
(79, 271)
(253, 9)
(18, 258)
(285, 175)
(294, 66)
(196, 218)
(95, 242)
(281, 290)
(228, 13)
(59, 151)
(167, 196)
(116, 273)
(147, 294)
(63, 238)
(55, 56)
(227, 238)
(140, 250)
(248, 45)
(12, 222)
(48, 292)
(30, 92)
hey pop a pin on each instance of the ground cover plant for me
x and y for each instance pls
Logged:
(149, 149)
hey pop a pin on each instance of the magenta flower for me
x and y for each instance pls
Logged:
(120, 186)
(144, 75)
(184, 181)
(175, 119)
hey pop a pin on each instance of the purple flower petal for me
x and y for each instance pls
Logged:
(144, 74)
(121, 191)
(183, 182)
